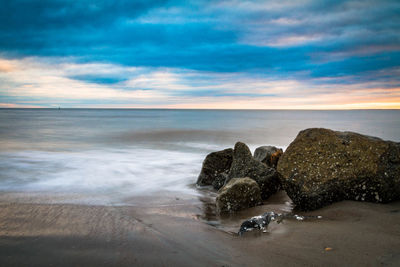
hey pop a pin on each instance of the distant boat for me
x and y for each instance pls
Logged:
(59, 108)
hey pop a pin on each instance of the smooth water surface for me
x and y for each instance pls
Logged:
(132, 152)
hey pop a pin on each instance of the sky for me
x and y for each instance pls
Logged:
(231, 54)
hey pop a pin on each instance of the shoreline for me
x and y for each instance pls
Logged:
(181, 234)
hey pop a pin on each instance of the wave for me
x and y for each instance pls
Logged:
(132, 171)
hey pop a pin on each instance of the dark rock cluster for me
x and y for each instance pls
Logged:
(318, 168)
(238, 165)
(244, 165)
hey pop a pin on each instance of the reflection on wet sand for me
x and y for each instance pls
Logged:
(180, 229)
(279, 203)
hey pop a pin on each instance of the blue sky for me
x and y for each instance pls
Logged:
(200, 54)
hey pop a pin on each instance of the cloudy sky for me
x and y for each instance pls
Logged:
(306, 54)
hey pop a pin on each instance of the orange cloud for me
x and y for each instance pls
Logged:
(10, 105)
(6, 66)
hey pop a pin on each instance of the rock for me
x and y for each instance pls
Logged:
(244, 165)
(215, 164)
(257, 222)
(322, 166)
(220, 180)
(238, 194)
(268, 155)
(261, 222)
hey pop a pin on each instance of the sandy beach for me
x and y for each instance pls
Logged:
(184, 231)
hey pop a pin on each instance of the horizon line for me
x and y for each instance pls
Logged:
(222, 109)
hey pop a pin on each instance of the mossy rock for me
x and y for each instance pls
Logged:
(238, 194)
(244, 165)
(322, 166)
(215, 165)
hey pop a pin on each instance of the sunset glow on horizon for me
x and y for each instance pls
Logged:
(200, 54)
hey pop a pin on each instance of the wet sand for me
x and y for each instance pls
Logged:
(185, 231)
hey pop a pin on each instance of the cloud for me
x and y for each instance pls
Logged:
(46, 83)
(204, 35)
(162, 52)
(6, 66)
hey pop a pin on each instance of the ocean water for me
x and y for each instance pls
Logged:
(120, 153)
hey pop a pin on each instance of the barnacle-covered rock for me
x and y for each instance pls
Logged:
(216, 166)
(244, 165)
(238, 194)
(322, 166)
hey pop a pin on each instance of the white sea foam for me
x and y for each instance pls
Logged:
(133, 171)
(112, 173)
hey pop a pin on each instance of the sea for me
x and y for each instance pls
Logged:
(114, 154)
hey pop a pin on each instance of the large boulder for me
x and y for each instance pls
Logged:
(238, 194)
(244, 165)
(268, 155)
(322, 166)
(215, 165)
